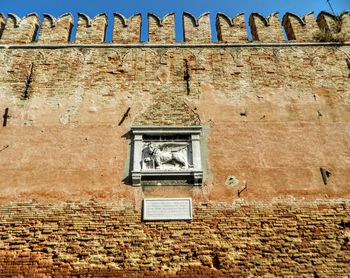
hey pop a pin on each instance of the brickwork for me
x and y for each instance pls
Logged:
(161, 30)
(169, 110)
(300, 29)
(328, 22)
(196, 30)
(345, 25)
(20, 31)
(54, 31)
(91, 30)
(231, 30)
(2, 24)
(285, 238)
(335, 25)
(266, 29)
(127, 30)
(275, 120)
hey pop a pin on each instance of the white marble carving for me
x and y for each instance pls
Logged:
(166, 152)
(165, 156)
(155, 209)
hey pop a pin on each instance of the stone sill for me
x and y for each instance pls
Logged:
(166, 130)
(162, 173)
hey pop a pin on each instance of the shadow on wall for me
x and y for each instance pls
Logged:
(128, 163)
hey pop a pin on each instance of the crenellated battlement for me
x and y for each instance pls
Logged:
(266, 29)
(335, 25)
(2, 23)
(231, 30)
(196, 30)
(127, 30)
(91, 30)
(19, 31)
(56, 30)
(14, 30)
(161, 30)
(300, 29)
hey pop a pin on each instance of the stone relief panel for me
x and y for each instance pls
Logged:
(169, 153)
(165, 156)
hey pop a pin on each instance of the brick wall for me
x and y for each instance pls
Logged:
(273, 117)
(283, 238)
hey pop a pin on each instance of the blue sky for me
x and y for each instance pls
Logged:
(160, 8)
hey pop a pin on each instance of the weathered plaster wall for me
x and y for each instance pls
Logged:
(274, 116)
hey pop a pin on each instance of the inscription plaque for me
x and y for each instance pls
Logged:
(167, 209)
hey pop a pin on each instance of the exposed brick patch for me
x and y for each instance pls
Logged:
(169, 110)
(283, 238)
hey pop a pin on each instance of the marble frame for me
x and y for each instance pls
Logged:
(194, 171)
